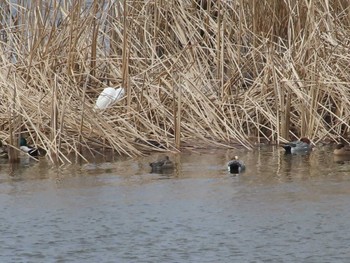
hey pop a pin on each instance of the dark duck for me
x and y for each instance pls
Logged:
(235, 166)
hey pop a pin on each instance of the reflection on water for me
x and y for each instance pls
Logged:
(282, 209)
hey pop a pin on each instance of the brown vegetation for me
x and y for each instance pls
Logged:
(196, 72)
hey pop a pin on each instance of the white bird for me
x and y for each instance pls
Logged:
(108, 97)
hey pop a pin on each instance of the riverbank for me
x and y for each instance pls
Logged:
(215, 74)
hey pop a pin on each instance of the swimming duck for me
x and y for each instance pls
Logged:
(295, 147)
(3, 151)
(235, 166)
(162, 164)
(342, 150)
(32, 151)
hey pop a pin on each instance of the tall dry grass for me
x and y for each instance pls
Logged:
(197, 73)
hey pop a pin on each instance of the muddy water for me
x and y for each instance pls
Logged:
(282, 209)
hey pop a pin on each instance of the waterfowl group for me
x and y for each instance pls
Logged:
(235, 166)
(298, 147)
(303, 146)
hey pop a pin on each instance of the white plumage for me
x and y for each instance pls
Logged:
(108, 97)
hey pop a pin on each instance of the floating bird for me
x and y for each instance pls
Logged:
(298, 147)
(342, 150)
(32, 151)
(3, 151)
(162, 164)
(108, 97)
(235, 166)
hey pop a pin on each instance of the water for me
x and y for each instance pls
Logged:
(282, 209)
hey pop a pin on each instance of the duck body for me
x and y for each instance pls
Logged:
(162, 164)
(108, 97)
(342, 150)
(32, 151)
(298, 147)
(235, 166)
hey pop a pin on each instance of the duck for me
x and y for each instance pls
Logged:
(108, 97)
(3, 151)
(342, 150)
(162, 164)
(235, 166)
(32, 151)
(298, 147)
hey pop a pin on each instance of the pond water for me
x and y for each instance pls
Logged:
(282, 209)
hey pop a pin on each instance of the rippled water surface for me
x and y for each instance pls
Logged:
(282, 209)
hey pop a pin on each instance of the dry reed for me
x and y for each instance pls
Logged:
(197, 73)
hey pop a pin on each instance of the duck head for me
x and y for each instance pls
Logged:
(305, 140)
(22, 142)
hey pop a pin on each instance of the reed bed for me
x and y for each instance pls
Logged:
(197, 73)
